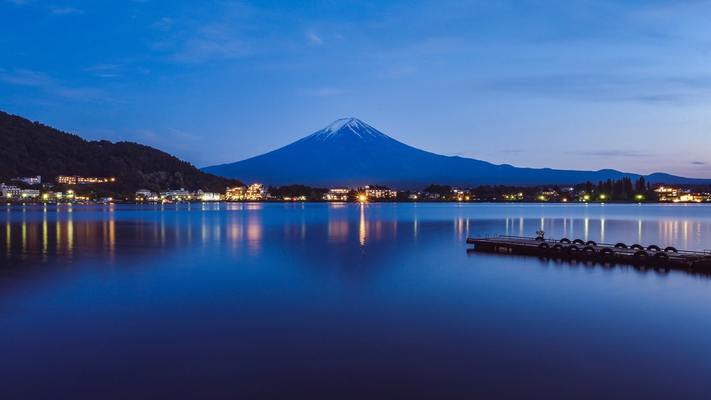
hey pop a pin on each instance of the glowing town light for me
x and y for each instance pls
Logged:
(362, 198)
(603, 197)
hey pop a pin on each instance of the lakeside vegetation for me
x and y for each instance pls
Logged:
(611, 191)
(30, 148)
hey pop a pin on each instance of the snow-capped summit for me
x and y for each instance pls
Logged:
(350, 153)
(347, 127)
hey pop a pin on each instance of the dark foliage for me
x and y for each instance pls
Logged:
(442, 190)
(311, 193)
(624, 189)
(30, 148)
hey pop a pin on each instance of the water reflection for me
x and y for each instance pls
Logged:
(61, 231)
(361, 226)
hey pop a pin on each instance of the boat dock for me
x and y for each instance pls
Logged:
(620, 253)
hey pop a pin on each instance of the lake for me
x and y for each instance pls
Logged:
(345, 301)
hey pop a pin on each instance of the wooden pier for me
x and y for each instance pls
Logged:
(620, 253)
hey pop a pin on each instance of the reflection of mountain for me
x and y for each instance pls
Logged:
(352, 153)
(350, 238)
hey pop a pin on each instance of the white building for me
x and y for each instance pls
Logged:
(30, 193)
(177, 195)
(336, 194)
(9, 191)
(255, 192)
(380, 193)
(208, 196)
(30, 180)
(146, 195)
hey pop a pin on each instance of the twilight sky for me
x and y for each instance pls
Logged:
(567, 84)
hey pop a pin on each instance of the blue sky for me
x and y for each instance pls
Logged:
(566, 84)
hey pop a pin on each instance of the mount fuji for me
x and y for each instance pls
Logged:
(351, 153)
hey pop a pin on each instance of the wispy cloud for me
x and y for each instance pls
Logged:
(313, 39)
(164, 24)
(65, 10)
(699, 163)
(322, 92)
(188, 41)
(105, 70)
(613, 153)
(24, 77)
(606, 87)
(47, 84)
(203, 49)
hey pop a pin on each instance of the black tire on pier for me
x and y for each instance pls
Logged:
(654, 247)
(578, 241)
(591, 243)
(661, 257)
(607, 253)
(637, 247)
(641, 257)
(565, 240)
(671, 249)
(540, 238)
(661, 261)
(620, 246)
(557, 248)
(589, 251)
(543, 248)
(573, 250)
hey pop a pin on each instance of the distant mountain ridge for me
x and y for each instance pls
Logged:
(349, 152)
(29, 148)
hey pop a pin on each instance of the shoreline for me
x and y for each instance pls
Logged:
(8, 204)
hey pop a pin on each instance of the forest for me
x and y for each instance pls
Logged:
(30, 148)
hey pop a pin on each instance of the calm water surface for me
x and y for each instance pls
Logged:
(344, 301)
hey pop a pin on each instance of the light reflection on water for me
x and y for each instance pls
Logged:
(56, 230)
(344, 299)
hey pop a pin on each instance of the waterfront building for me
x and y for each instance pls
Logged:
(547, 195)
(10, 191)
(667, 193)
(690, 198)
(176, 195)
(380, 193)
(67, 179)
(255, 192)
(336, 194)
(82, 180)
(461, 195)
(208, 196)
(237, 193)
(513, 196)
(29, 193)
(29, 180)
(146, 195)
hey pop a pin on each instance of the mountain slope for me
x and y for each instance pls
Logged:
(30, 148)
(350, 152)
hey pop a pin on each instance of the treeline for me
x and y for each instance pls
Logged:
(29, 148)
(620, 190)
(296, 191)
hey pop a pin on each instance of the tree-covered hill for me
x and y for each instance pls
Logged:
(30, 148)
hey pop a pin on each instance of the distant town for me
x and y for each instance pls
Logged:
(88, 189)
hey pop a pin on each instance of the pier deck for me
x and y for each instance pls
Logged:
(652, 255)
